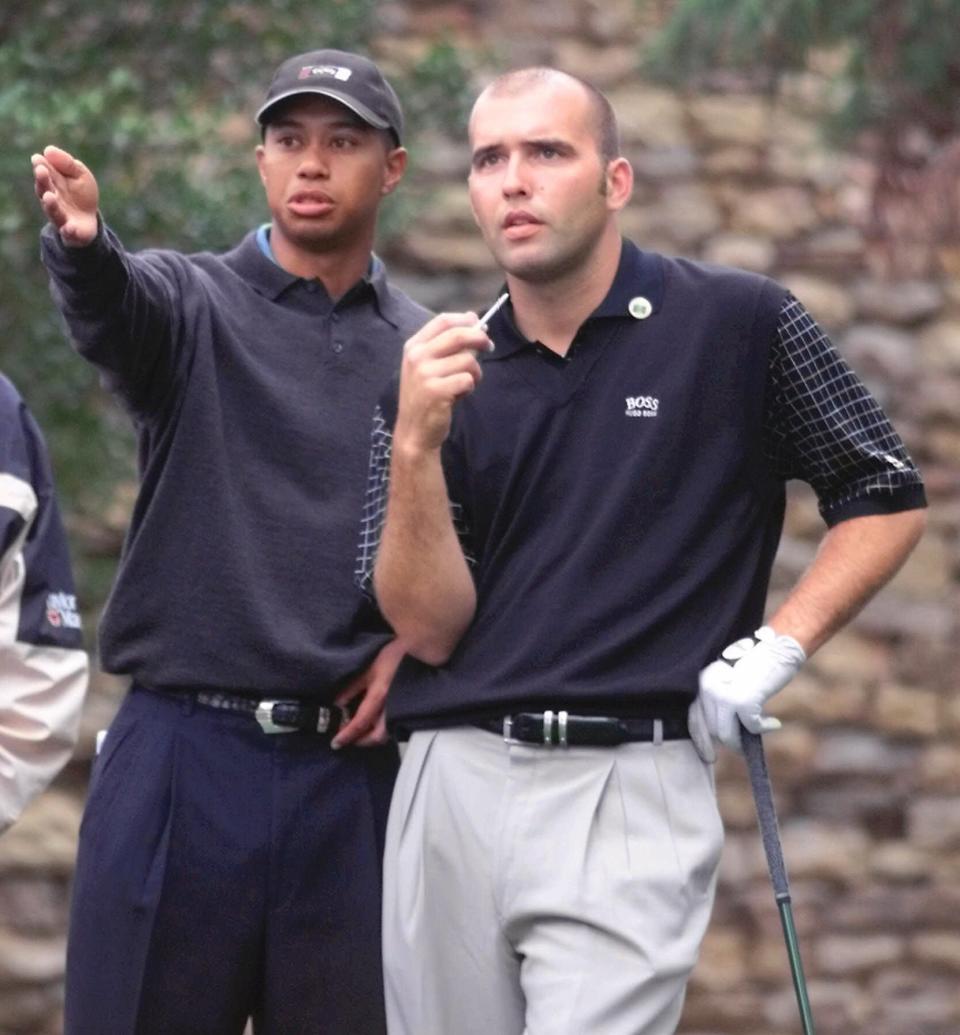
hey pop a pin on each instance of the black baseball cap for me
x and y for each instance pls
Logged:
(354, 81)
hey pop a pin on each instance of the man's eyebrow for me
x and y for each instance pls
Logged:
(482, 152)
(556, 143)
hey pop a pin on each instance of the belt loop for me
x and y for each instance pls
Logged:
(188, 703)
(548, 728)
(658, 731)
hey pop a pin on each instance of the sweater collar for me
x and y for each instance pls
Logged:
(253, 259)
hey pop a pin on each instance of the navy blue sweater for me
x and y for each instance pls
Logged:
(251, 392)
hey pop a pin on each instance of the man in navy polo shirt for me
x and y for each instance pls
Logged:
(229, 860)
(43, 666)
(579, 521)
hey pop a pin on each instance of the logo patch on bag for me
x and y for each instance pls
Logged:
(62, 611)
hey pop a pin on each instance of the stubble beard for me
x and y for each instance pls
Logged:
(559, 263)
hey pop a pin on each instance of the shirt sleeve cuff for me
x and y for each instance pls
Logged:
(86, 258)
(907, 497)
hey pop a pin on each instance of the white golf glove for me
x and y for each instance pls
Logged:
(735, 688)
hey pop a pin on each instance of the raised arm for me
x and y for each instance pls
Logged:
(122, 310)
(422, 581)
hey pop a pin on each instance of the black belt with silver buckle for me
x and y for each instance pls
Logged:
(561, 729)
(275, 715)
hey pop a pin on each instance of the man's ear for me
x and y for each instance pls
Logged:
(619, 177)
(395, 166)
(260, 153)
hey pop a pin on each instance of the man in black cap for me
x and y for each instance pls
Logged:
(229, 861)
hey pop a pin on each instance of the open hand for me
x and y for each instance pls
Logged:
(68, 195)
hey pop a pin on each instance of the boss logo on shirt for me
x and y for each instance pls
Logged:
(642, 406)
(62, 611)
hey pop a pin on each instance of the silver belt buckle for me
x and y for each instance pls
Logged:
(264, 715)
(324, 715)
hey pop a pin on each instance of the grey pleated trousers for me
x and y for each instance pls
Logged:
(545, 891)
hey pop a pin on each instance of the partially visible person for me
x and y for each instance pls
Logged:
(43, 666)
(578, 522)
(230, 856)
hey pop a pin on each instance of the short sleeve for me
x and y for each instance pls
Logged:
(822, 425)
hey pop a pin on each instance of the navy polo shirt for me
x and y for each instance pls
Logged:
(622, 505)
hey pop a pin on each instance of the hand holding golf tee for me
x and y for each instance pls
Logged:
(439, 366)
(735, 688)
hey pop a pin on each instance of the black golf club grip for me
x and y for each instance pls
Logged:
(766, 810)
(767, 816)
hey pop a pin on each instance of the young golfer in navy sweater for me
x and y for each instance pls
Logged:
(229, 860)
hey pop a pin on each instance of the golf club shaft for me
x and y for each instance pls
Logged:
(796, 965)
(767, 817)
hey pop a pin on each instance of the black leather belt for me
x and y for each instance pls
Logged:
(275, 715)
(561, 729)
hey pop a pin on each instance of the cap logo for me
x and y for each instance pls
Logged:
(334, 71)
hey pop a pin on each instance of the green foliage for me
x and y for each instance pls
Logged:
(436, 92)
(158, 100)
(903, 58)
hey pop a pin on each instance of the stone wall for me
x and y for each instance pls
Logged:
(867, 768)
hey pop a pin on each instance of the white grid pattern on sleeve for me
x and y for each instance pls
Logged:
(822, 425)
(374, 503)
(375, 507)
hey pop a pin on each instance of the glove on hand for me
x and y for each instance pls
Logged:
(735, 688)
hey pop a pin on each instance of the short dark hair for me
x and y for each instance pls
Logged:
(607, 133)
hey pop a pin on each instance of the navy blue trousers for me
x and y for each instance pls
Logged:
(225, 873)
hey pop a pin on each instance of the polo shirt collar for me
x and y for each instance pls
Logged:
(387, 300)
(639, 275)
(254, 260)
